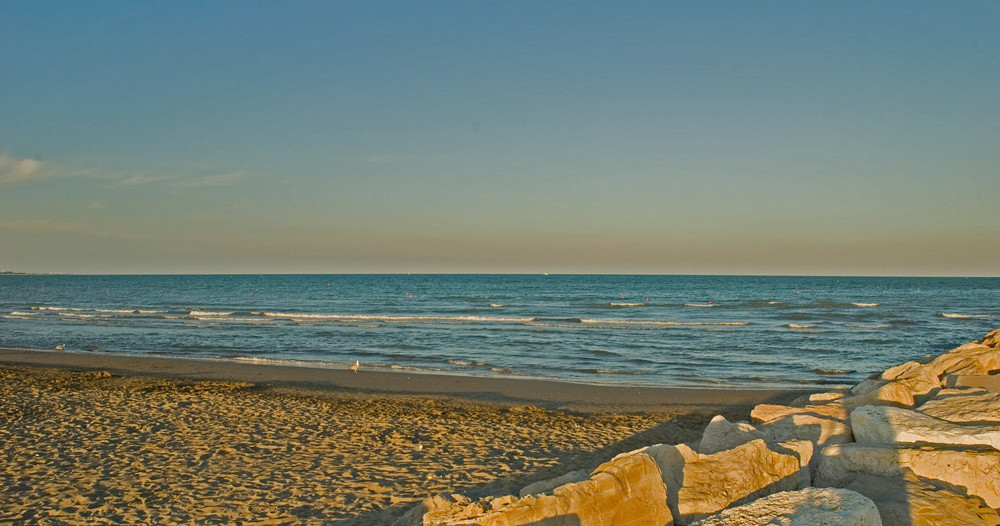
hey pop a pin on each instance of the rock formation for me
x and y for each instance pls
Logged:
(918, 444)
(810, 506)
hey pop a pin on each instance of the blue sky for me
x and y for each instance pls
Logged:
(665, 137)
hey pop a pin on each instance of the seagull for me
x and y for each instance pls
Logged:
(355, 366)
(60, 347)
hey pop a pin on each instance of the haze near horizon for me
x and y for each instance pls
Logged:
(667, 138)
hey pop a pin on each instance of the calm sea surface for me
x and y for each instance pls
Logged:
(637, 330)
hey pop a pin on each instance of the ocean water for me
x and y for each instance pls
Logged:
(708, 331)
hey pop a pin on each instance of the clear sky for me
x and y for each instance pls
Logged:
(659, 137)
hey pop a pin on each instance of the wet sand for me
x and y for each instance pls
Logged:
(98, 438)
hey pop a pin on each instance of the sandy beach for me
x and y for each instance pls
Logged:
(93, 438)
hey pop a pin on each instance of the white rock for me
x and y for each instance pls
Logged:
(912, 501)
(734, 477)
(807, 507)
(721, 434)
(975, 470)
(889, 425)
(963, 405)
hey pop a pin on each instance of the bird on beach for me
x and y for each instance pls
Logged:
(354, 367)
(60, 347)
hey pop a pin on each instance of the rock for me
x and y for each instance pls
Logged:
(628, 490)
(889, 425)
(807, 507)
(441, 509)
(821, 398)
(913, 501)
(734, 477)
(976, 471)
(765, 413)
(917, 377)
(671, 460)
(990, 383)
(546, 486)
(820, 424)
(881, 392)
(969, 359)
(721, 434)
(803, 450)
(991, 340)
(963, 405)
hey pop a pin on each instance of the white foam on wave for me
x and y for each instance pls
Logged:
(800, 326)
(857, 304)
(863, 326)
(197, 313)
(702, 305)
(353, 318)
(666, 323)
(497, 305)
(962, 316)
(628, 304)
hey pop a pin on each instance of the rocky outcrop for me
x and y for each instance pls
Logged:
(975, 471)
(737, 476)
(810, 506)
(913, 446)
(991, 340)
(722, 435)
(628, 490)
(889, 425)
(963, 406)
(909, 500)
(822, 425)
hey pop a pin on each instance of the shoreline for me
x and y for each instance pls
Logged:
(545, 393)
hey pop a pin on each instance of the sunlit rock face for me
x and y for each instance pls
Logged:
(916, 445)
(810, 506)
(975, 471)
(889, 425)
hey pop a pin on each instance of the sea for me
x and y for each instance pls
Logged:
(672, 331)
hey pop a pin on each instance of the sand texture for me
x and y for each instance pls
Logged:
(92, 447)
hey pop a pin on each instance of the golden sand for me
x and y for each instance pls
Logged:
(91, 447)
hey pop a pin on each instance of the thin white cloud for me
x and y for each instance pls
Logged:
(15, 170)
(21, 170)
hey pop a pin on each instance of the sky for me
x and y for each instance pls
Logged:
(805, 138)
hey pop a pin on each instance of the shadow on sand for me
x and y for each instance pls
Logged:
(687, 426)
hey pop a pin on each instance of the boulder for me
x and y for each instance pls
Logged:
(917, 377)
(975, 471)
(912, 501)
(628, 490)
(545, 486)
(441, 509)
(881, 392)
(806, 507)
(990, 383)
(969, 359)
(991, 340)
(721, 434)
(963, 405)
(889, 425)
(820, 424)
(821, 398)
(734, 477)
(765, 413)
